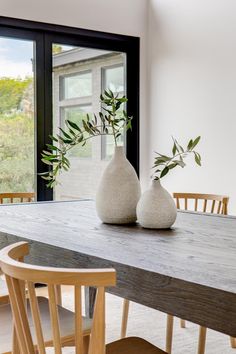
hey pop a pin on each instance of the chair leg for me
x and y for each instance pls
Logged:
(233, 342)
(86, 340)
(202, 340)
(169, 333)
(125, 315)
(15, 344)
(182, 323)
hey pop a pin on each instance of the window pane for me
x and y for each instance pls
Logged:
(114, 79)
(17, 117)
(76, 114)
(79, 85)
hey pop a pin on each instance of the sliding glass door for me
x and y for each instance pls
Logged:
(49, 74)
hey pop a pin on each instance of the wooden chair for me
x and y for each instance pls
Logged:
(6, 198)
(41, 304)
(214, 204)
(17, 197)
(28, 316)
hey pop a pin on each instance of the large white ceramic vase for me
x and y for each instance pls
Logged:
(119, 191)
(156, 208)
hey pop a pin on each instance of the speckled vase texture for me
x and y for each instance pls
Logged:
(156, 208)
(119, 191)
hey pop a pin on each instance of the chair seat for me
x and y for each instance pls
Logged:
(132, 345)
(66, 324)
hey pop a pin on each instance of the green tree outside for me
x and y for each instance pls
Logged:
(11, 93)
(16, 135)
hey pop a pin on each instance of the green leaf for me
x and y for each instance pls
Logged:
(174, 149)
(129, 125)
(53, 138)
(47, 162)
(197, 158)
(86, 127)
(195, 142)
(48, 178)
(180, 163)
(65, 133)
(52, 147)
(190, 144)
(73, 125)
(164, 171)
(67, 141)
(162, 158)
(108, 111)
(50, 157)
(108, 94)
(43, 173)
(178, 146)
(45, 152)
(172, 165)
(81, 137)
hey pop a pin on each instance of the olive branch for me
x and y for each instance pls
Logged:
(110, 121)
(163, 164)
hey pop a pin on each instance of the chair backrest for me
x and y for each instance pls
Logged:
(19, 274)
(215, 204)
(16, 197)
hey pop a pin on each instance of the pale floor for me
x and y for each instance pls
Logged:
(151, 324)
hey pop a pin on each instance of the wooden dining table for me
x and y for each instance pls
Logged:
(187, 271)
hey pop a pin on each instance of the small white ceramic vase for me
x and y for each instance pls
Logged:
(156, 208)
(119, 191)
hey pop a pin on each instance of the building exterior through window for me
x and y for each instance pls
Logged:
(80, 75)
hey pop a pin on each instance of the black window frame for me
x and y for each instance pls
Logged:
(45, 35)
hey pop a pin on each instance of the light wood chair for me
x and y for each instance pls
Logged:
(28, 316)
(211, 203)
(42, 307)
(6, 198)
(16, 197)
(214, 204)
(208, 203)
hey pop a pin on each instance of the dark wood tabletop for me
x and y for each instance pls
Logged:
(188, 271)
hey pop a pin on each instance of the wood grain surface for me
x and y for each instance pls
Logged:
(188, 271)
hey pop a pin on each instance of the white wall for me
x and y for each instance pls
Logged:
(123, 16)
(192, 87)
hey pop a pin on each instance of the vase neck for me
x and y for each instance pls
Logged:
(156, 183)
(119, 153)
